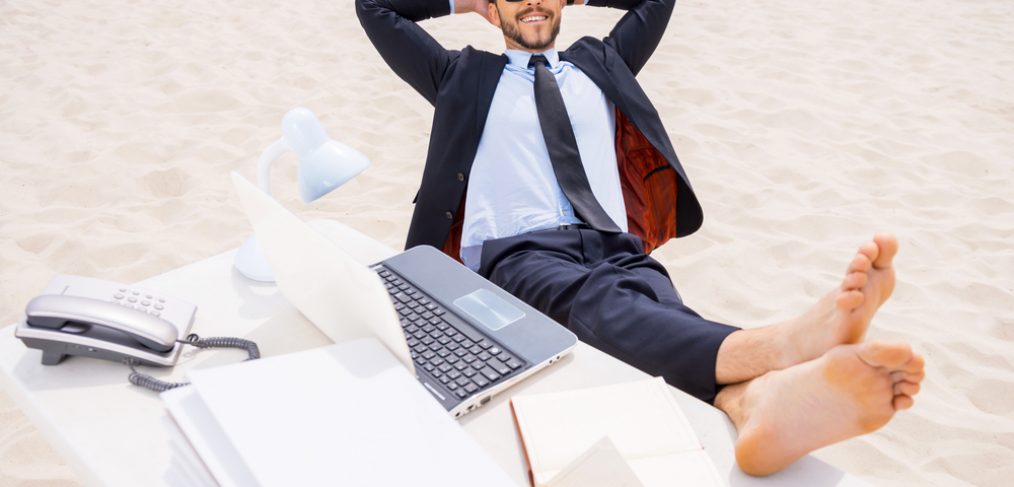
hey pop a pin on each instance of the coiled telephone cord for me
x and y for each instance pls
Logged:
(148, 382)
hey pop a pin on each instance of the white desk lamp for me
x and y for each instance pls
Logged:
(324, 165)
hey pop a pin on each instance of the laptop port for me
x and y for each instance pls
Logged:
(485, 400)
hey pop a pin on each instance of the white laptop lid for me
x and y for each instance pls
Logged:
(336, 293)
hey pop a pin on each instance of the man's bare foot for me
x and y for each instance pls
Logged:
(843, 315)
(849, 391)
(840, 317)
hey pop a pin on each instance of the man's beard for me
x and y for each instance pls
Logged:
(512, 32)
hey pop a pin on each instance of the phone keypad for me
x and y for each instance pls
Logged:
(133, 299)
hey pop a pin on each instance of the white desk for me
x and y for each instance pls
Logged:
(119, 435)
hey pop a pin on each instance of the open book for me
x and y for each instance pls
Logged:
(642, 426)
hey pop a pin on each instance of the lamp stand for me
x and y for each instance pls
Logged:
(249, 260)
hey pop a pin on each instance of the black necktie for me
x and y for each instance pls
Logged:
(563, 152)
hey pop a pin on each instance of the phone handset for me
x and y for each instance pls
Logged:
(75, 314)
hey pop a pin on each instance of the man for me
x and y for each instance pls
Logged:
(550, 173)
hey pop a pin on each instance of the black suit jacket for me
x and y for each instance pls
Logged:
(460, 85)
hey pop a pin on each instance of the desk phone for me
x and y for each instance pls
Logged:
(90, 317)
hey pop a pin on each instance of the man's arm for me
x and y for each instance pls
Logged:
(638, 33)
(413, 54)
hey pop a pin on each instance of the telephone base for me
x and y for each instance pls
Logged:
(55, 351)
(50, 357)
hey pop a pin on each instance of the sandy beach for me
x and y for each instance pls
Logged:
(804, 128)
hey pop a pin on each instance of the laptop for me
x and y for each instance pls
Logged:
(464, 338)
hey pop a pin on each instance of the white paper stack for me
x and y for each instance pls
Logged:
(345, 414)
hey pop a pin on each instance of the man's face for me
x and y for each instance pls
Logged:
(529, 25)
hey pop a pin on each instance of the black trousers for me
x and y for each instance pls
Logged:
(614, 297)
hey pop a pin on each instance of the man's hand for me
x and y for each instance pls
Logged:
(466, 6)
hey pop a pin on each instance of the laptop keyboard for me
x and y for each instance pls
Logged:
(460, 358)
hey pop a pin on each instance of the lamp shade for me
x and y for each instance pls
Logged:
(324, 164)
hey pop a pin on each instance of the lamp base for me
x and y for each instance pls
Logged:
(250, 261)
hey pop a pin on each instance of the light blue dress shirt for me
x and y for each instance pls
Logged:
(512, 188)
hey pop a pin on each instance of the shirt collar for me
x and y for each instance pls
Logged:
(520, 58)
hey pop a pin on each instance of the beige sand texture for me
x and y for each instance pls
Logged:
(804, 126)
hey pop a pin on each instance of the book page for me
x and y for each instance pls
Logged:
(601, 466)
(641, 418)
(686, 468)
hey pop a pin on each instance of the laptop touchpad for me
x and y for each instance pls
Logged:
(489, 309)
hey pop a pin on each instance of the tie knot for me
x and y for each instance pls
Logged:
(537, 60)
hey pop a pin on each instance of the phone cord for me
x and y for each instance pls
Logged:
(148, 382)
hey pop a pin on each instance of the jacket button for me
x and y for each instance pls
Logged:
(461, 176)
(449, 215)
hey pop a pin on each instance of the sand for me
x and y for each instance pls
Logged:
(805, 128)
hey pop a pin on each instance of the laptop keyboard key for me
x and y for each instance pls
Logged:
(498, 366)
(469, 332)
(514, 364)
(489, 374)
